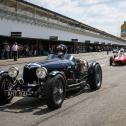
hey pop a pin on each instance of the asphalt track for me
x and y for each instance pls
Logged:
(104, 107)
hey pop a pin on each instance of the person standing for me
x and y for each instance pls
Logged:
(7, 51)
(2, 51)
(15, 51)
(107, 50)
(77, 50)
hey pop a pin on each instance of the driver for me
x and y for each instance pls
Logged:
(61, 50)
(121, 52)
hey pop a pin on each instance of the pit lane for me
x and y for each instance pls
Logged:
(103, 107)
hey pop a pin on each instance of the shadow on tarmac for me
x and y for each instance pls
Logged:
(28, 104)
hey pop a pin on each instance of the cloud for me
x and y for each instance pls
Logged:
(103, 14)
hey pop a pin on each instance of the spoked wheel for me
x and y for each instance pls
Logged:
(6, 84)
(58, 91)
(95, 79)
(55, 91)
(98, 77)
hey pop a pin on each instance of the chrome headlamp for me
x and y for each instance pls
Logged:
(13, 72)
(41, 72)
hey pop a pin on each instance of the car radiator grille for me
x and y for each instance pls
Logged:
(29, 75)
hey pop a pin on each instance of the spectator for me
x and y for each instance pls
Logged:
(30, 51)
(15, 51)
(7, 49)
(3, 51)
(50, 50)
(0, 51)
(26, 52)
(41, 52)
(77, 50)
(107, 49)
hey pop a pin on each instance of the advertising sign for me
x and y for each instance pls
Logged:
(123, 30)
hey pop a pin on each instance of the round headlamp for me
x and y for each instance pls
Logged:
(13, 72)
(41, 72)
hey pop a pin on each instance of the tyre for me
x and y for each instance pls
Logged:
(95, 79)
(111, 61)
(5, 83)
(55, 91)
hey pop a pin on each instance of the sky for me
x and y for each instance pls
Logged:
(106, 15)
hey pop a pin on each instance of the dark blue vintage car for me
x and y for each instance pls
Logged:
(50, 79)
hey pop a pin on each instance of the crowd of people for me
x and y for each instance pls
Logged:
(16, 50)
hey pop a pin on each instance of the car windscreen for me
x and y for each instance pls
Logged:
(52, 56)
(66, 56)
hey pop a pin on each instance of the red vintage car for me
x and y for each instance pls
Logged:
(118, 59)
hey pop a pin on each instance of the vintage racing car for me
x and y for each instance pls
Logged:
(50, 79)
(118, 59)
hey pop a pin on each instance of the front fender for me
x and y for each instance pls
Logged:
(54, 73)
(2, 72)
(92, 66)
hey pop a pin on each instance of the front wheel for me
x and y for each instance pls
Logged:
(111, 61)
(95, 79)
(55, 91)
(5, 84)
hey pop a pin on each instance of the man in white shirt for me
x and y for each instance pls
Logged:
(15, 51)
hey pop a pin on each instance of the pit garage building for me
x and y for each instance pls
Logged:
(37, 28)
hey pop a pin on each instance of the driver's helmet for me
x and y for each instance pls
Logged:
(121, 50)
(61, 50)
